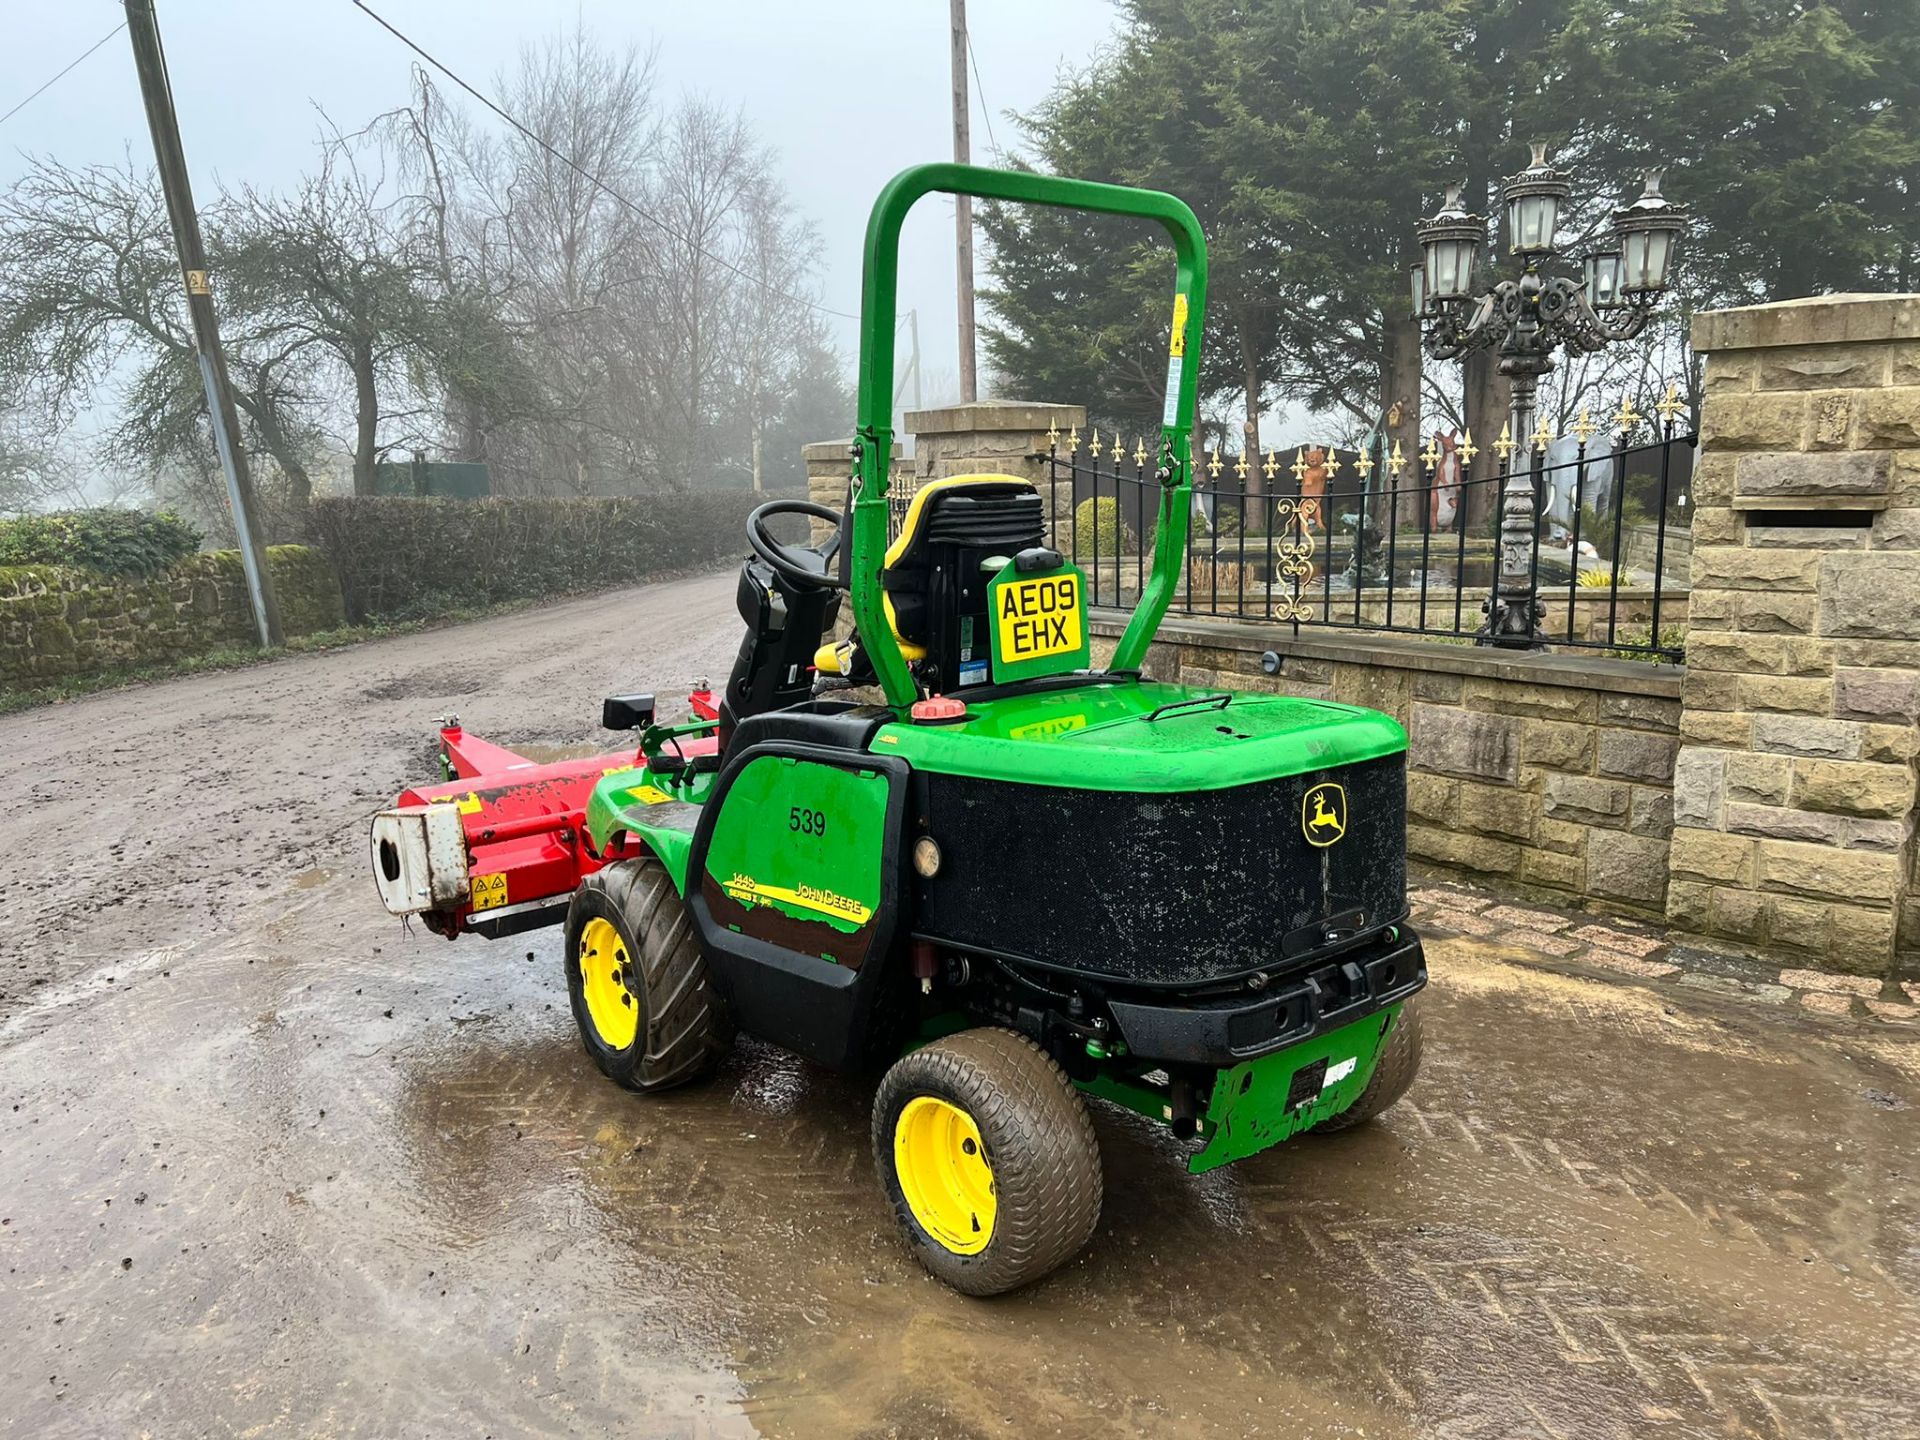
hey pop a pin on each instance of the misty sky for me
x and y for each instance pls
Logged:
(848, 92)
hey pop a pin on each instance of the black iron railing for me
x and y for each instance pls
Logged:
(1373, 539)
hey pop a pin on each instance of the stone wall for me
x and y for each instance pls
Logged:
(1550, 773)
(1795, 795)
(57, 622)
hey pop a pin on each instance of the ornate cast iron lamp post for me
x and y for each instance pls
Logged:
(1527, 319)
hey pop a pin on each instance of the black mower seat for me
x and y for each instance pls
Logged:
(999, 514)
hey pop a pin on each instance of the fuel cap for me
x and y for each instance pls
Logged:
(938, 710)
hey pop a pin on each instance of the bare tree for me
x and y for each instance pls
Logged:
(554, 193)
(609, 299)
(651, 268)
(38, 472)
(325, 276)
(90, 304)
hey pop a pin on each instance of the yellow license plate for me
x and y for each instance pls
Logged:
(1038, 617)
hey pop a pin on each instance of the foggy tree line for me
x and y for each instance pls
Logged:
(437, 283)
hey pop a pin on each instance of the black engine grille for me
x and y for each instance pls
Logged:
(1161, 889)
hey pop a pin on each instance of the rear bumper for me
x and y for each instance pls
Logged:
(1309, 1002)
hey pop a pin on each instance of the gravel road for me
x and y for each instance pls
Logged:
(272, 1164)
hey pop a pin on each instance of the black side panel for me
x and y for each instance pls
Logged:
(836, 1015)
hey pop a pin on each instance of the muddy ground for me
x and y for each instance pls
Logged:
(272, 1165)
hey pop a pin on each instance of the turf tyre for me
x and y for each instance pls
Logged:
(683, 1027)
(1038, 1139)
(1391, 1077)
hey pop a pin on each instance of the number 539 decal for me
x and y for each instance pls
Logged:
(807, 822)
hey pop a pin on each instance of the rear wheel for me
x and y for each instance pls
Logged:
(1398, 1064)
(639, 986)
(989, 1157)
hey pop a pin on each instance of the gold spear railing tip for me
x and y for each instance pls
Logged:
(1396, 462)
(1467, 449)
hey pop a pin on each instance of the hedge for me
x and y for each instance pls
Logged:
(1108, 537)
(108, 540)
(400, 557)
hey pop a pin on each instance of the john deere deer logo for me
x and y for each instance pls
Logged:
(1323, 814)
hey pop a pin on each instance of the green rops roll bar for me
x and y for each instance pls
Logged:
(873, 441)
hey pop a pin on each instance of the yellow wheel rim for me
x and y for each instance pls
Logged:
(945, 1174)
(610, 1005)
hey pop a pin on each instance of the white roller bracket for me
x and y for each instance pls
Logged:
(420, 858)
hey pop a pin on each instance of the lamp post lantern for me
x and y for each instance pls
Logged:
(1527, 319)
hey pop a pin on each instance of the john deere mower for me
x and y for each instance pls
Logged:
(1014, 881)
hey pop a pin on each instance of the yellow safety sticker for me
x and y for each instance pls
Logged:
(488, 892)
(649, 795)
(470, 805)
(1178, 346)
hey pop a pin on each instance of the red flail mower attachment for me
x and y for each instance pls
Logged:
(501, 846)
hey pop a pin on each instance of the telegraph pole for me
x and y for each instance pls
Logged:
(963, 205)
(155, 89)
(912, 377)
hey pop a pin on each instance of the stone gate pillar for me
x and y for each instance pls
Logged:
(1794, 786)
(1002, 437)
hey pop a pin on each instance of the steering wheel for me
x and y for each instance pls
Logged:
(786, 558)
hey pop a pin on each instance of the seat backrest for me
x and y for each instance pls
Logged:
(934, 591)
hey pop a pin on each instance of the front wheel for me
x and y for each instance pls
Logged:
(1398, 1064)
(645, 1004)
(989, 1157)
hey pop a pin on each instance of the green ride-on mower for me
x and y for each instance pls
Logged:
(1020, 879)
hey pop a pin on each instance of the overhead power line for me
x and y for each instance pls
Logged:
(986, 113)
(62, 73)
(589, 176)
